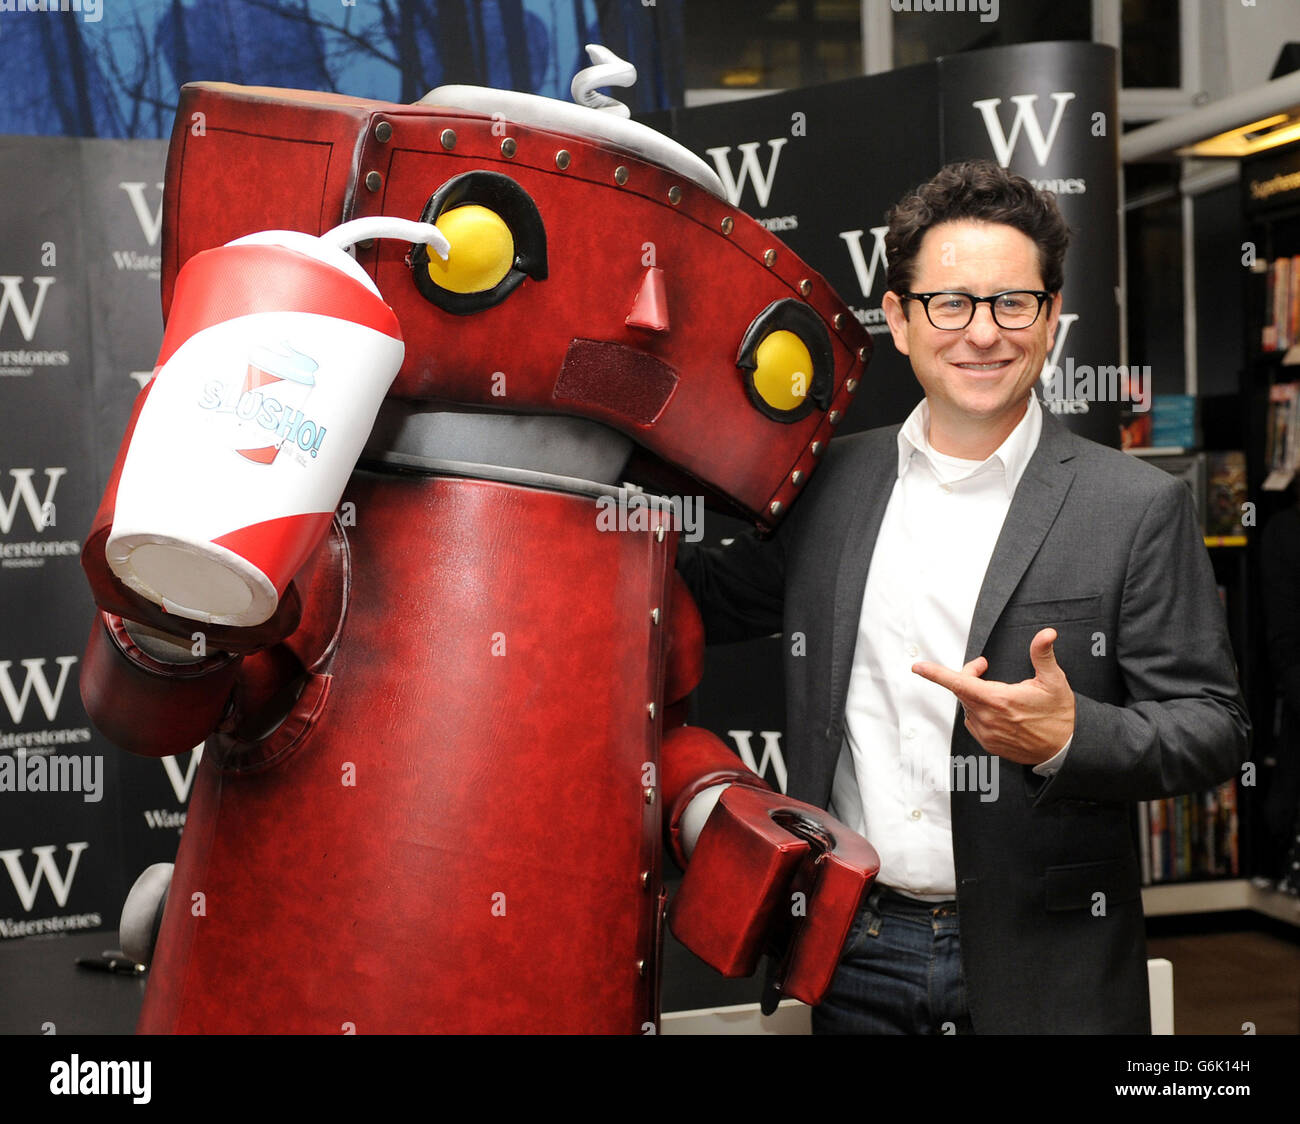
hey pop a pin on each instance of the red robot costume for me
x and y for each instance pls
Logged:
(438, 779)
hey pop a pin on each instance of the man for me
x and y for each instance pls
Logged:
(1009, 635)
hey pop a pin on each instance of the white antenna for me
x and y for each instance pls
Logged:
(607, 70)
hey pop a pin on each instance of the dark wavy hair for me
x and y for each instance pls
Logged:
(980, 191)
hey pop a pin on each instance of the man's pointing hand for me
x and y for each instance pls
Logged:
(1027, 722)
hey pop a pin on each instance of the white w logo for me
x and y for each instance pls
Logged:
(749, 170)
(45, 868)
(24, 491)
(11, 296)
(181, 782)
(771, 752)
(1052, 365)
(1027, 118)
(35, 680)
(865, 270)
(150, 221)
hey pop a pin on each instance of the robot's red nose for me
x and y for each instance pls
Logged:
(650, 307)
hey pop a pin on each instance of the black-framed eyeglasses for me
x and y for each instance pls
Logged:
(950, 312)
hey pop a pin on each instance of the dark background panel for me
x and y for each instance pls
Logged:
(820, 167)
(122, 185)
(59, 851)
(1048, 112)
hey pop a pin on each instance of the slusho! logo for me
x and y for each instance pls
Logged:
(276, 384)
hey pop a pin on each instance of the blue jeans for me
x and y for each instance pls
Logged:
(900, 972)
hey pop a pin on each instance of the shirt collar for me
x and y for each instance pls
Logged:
(1012, 456)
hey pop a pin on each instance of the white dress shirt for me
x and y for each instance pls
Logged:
(942, 522)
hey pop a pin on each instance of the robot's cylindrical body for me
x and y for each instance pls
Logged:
(460, 839)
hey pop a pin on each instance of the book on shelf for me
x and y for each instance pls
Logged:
(1144, 841)
(1226, 493)
(1282, 305)
(1190, 838)
(1282, 435)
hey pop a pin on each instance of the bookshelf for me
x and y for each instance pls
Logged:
(1195, 858)
(1270, 425)
(1223, 896)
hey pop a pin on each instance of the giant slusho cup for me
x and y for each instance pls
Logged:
(277, 354)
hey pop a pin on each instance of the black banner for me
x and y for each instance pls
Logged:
(79, 329)
(1048, 111)
(821, 167)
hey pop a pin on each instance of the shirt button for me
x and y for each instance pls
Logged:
(916, 813)
(910, 732)
(913, 651)
(945, 487)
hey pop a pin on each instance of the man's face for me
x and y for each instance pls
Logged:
(977, 379)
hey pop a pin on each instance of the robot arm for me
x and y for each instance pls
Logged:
(769, 873)
(151, 692)
(156, 684)
(144, 702)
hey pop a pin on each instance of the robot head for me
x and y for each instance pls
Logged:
(596, 271)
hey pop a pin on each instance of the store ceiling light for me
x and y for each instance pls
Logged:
(1260, 116)
(742, 76)
(1281, 128)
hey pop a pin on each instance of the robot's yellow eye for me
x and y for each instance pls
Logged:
(497, 239)
(786, 361)
(482, 250)
(783, 370)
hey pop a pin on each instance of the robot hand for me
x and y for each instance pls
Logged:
(773, 874)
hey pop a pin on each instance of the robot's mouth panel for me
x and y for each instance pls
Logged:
(615, 378)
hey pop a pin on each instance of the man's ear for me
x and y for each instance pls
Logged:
(896, 318)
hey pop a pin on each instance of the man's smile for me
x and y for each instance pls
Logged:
(986, 365)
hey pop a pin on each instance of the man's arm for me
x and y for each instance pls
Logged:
(1185, 727)
(740, 588)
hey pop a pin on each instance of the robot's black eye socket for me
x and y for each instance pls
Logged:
(497, 239)
(787, 361)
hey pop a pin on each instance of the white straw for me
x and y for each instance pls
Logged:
(388, 226)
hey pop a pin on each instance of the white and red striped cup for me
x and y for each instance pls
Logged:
(277, 354)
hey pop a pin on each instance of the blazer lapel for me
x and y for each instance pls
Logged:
(1034, 507)
(879, 473)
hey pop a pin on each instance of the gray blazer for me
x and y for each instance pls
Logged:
(1107, 550)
